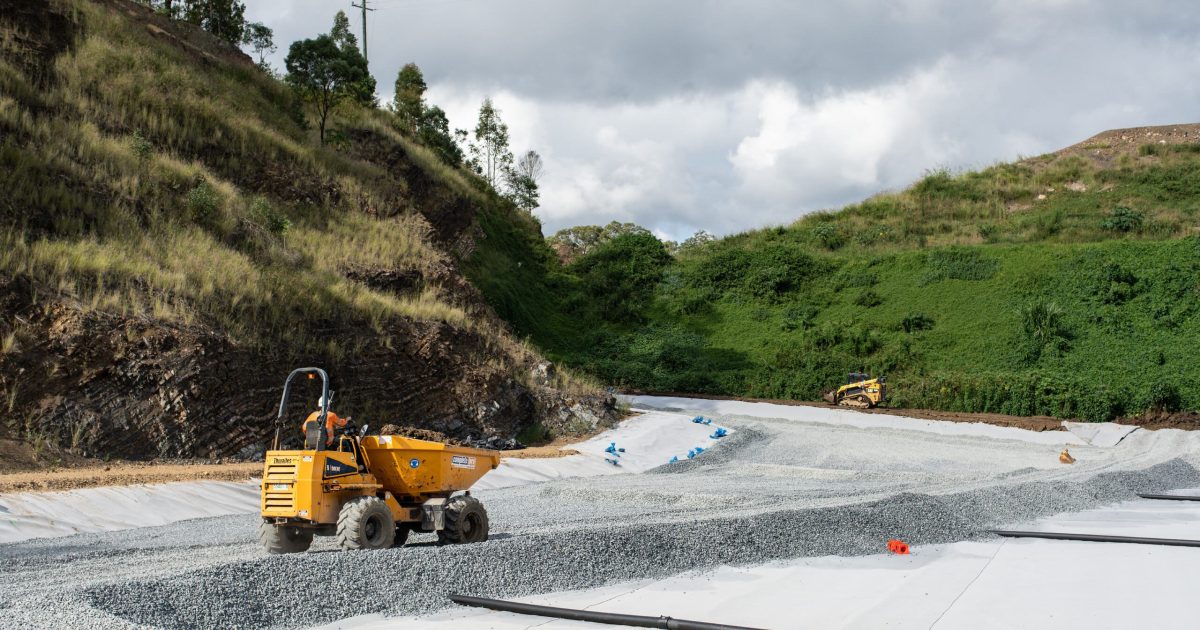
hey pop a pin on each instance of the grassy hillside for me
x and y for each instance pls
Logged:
(143, 180)
(174, 238)
(1065, 284)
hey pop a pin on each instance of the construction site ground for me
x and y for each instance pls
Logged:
(802, 497)
(22, 471)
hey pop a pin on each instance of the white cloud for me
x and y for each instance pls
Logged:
(683, 116)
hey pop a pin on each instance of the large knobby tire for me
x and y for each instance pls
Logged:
(466, 522)
(365, 523)
(283, 538)
(402, 531)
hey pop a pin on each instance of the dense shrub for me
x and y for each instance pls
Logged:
(621, 275)
(959, 264)
(1123, 220)
(868, 299)
(1114, 284)
(274, 221)
(202, 204)
(1164, 396)
(1045, 329)
(1028, 394)
(916, 322)
(799, 316)
(829, 235)
(723, 271)
(989, 232)
(768, 272)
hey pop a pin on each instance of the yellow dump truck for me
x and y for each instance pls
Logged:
(368, 491)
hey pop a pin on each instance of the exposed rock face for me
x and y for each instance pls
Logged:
(135, 387)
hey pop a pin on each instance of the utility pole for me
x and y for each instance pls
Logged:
(364, 8)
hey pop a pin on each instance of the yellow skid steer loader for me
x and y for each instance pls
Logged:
(860, 391)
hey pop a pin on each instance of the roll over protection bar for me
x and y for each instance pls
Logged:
(287, 390)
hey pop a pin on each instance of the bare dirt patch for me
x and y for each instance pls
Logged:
(549, 450)
(1106, 148)
(124, 474)
(1187, 420)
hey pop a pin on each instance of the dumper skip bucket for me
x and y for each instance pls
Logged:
(411, 467)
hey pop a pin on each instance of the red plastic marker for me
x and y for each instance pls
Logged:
(898, 547)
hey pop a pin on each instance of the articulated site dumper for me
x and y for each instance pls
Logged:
(369, 491)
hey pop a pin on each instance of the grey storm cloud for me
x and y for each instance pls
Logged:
(725, 116)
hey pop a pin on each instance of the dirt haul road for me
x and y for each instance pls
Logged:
(779, 487)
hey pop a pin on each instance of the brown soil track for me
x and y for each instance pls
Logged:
(124, 474)
(22, 469)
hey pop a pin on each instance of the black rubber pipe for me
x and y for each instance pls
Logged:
(637, 621)
(1133, 540)
(1170, 497)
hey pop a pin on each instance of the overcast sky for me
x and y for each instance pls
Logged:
(683, 115)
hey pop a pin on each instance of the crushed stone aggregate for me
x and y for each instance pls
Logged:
(772, 490)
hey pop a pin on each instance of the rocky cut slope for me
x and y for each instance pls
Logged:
(173, 240)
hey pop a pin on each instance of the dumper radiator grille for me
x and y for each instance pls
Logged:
(279, 475)
(279, 501)
(281, 471)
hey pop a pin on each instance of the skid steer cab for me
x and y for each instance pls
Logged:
(368, 491)
(861, 391)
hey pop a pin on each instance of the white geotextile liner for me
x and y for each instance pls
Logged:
(649, 440)
(1100, 433)
(996, 584)
(48, 514)
(847, 417)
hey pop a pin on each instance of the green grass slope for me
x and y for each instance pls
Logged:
(1065, 285)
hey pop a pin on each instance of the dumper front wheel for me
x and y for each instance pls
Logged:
(365, 523)
(466, 522)
(278, 539)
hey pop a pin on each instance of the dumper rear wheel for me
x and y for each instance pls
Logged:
(466, 522)
(402, 530)
(278, 539)
(365, 523)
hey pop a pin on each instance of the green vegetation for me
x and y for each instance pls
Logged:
(160, 178)
(147, 178)
(1058, 285)
(224, 19)
(330, 69)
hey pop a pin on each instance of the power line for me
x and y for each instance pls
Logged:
(364, 8)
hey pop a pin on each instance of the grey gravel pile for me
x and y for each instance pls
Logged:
(772, 490)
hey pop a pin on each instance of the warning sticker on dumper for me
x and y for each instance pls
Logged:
(462, 461)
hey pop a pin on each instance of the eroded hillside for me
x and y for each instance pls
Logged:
(175, 240)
